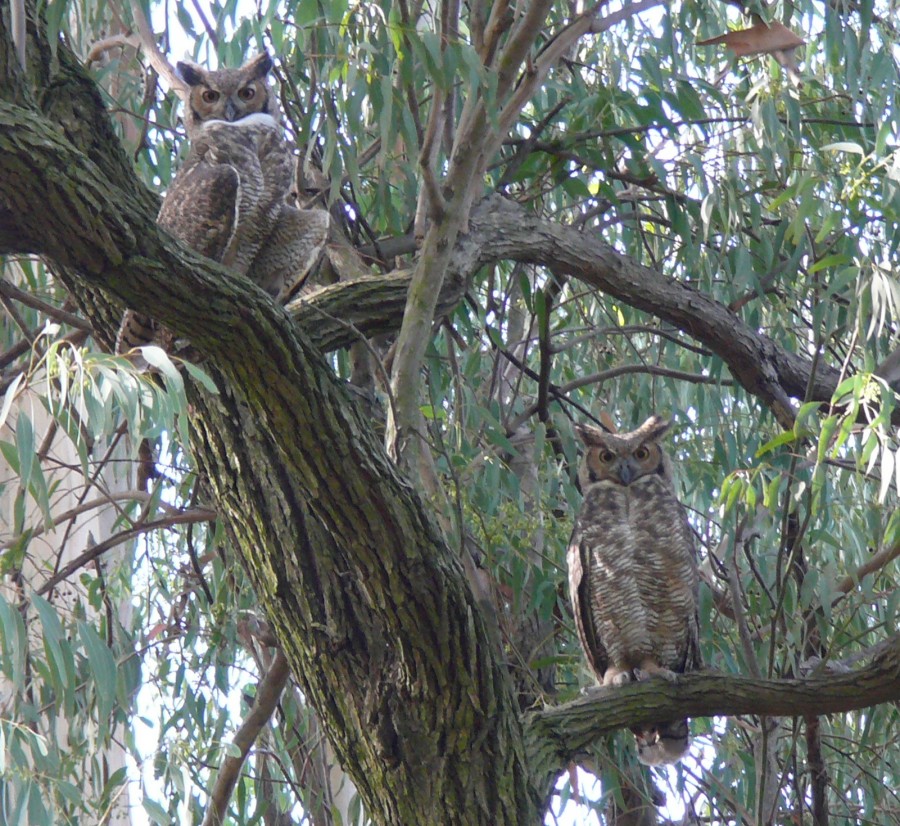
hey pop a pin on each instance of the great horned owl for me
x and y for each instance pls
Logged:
(633, 571)
(229, 199)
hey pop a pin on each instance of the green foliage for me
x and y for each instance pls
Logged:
(780, 203)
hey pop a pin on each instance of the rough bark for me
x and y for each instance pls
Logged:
(370, 604)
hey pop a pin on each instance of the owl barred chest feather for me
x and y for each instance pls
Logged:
(640, 582)
(632, 571)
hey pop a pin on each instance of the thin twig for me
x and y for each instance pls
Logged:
(884, 557)
(379, 366)
(157, 59)
(210, 31)
(99, 48)
(561, 391)
(10, 291)
(737, 602)
(183, 518)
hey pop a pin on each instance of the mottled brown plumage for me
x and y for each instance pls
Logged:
(633, 571)
(230, 198)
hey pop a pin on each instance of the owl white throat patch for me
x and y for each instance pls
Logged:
(256, 119)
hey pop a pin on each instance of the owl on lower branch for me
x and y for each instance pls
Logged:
(633, 572)
(230, 199)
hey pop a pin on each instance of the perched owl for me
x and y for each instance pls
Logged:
(229, 199)
(633, 571)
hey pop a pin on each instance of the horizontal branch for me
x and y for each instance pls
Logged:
(569, 732)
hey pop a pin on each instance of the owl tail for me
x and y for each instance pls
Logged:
(134, 331)
(662, 743)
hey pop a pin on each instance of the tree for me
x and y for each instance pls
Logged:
(559, 211)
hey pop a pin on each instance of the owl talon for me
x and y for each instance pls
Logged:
(614, 677)
(648, 671)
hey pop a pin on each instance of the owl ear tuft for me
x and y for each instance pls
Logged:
(590, 435)
(655, 427)
(190, 73)
(259, 66)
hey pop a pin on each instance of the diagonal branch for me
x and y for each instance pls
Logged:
(267, 696)
(370, 603)
(501, 229)
(157, 59)
(103, 229)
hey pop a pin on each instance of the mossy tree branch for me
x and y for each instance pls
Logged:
(501, 229)
(569, 732)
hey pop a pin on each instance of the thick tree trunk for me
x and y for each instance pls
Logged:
(370, 605)
(340, 551)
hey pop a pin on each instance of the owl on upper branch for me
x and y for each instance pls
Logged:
(633, 575)
(230, 199)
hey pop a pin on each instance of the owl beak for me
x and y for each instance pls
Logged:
(625, 471)
(231, 111)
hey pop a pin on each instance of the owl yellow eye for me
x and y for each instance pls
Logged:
(641, 453)
(209, 96)
(247, 93)
(607, 456)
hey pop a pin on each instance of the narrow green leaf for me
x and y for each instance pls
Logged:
(843, 146)
(13, 643)
(788, 437)
(159, 358)
(41, 494)
(10, 455)
(770, 499)
(847, 386)
(25, 447)
(103, 668)
(828, 261)
(155, 812)
(200, 377)
(888, 461)
(828, 427)
(60, 657)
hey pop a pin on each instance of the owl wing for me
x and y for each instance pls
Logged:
(693, 660)
(276, 164)
(201, 206)
(577, 557)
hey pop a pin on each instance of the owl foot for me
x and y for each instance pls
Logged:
(663, 743)
(650, 669)
(615, 677)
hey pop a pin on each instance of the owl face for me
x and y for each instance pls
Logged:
(622, 458)
(229, 95)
